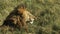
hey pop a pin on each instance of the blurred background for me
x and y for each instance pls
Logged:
(47, 11)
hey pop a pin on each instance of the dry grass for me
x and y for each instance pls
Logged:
(48, 12)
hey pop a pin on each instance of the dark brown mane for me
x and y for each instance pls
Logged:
(7, 21)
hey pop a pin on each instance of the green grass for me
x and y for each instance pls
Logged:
(48, 12)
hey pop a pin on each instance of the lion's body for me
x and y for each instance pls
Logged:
(20, 19)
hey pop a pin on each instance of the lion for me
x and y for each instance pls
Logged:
(20, 18)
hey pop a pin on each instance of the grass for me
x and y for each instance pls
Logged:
(48, 12)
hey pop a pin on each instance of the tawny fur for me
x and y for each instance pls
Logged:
(20, 19)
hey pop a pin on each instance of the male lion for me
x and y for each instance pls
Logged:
(19, 18)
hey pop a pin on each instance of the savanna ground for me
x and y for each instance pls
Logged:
(47, 11)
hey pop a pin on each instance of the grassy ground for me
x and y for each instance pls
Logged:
(48, 12)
